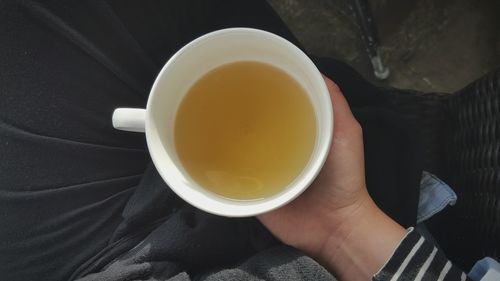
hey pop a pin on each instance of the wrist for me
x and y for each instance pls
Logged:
(361, 244)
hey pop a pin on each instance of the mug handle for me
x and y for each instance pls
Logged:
(129, 119)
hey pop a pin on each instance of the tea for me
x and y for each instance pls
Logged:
(245, 130)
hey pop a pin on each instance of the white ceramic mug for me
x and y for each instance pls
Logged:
(188, 65)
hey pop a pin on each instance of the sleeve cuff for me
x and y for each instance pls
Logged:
(418, 259)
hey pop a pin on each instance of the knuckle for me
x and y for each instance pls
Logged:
(356, 128)
(331, 85)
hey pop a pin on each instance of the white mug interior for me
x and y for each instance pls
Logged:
(196, 59)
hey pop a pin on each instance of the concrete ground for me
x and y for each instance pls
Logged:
(433, 46)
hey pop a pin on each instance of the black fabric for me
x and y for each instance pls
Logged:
(75, 200)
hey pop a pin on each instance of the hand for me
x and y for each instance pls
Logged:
(336, 209)
(336, 193)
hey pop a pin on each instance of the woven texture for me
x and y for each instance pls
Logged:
(475, 164)
(461, 137)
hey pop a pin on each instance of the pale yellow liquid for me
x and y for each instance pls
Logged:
(245, 130)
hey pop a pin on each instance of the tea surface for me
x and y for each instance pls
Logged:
(245, 130)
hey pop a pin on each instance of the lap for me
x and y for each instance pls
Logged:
(65, 172)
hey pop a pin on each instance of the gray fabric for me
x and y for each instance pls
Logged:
(277, 263)
(170, 240)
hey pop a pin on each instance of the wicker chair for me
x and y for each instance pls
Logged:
(461, 135)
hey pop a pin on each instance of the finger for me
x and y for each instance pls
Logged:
(341, 110)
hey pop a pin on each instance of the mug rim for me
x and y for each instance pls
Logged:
(241, 208)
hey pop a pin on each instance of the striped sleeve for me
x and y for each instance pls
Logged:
(418, 259)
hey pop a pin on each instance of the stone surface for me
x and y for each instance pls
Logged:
(432, 46)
